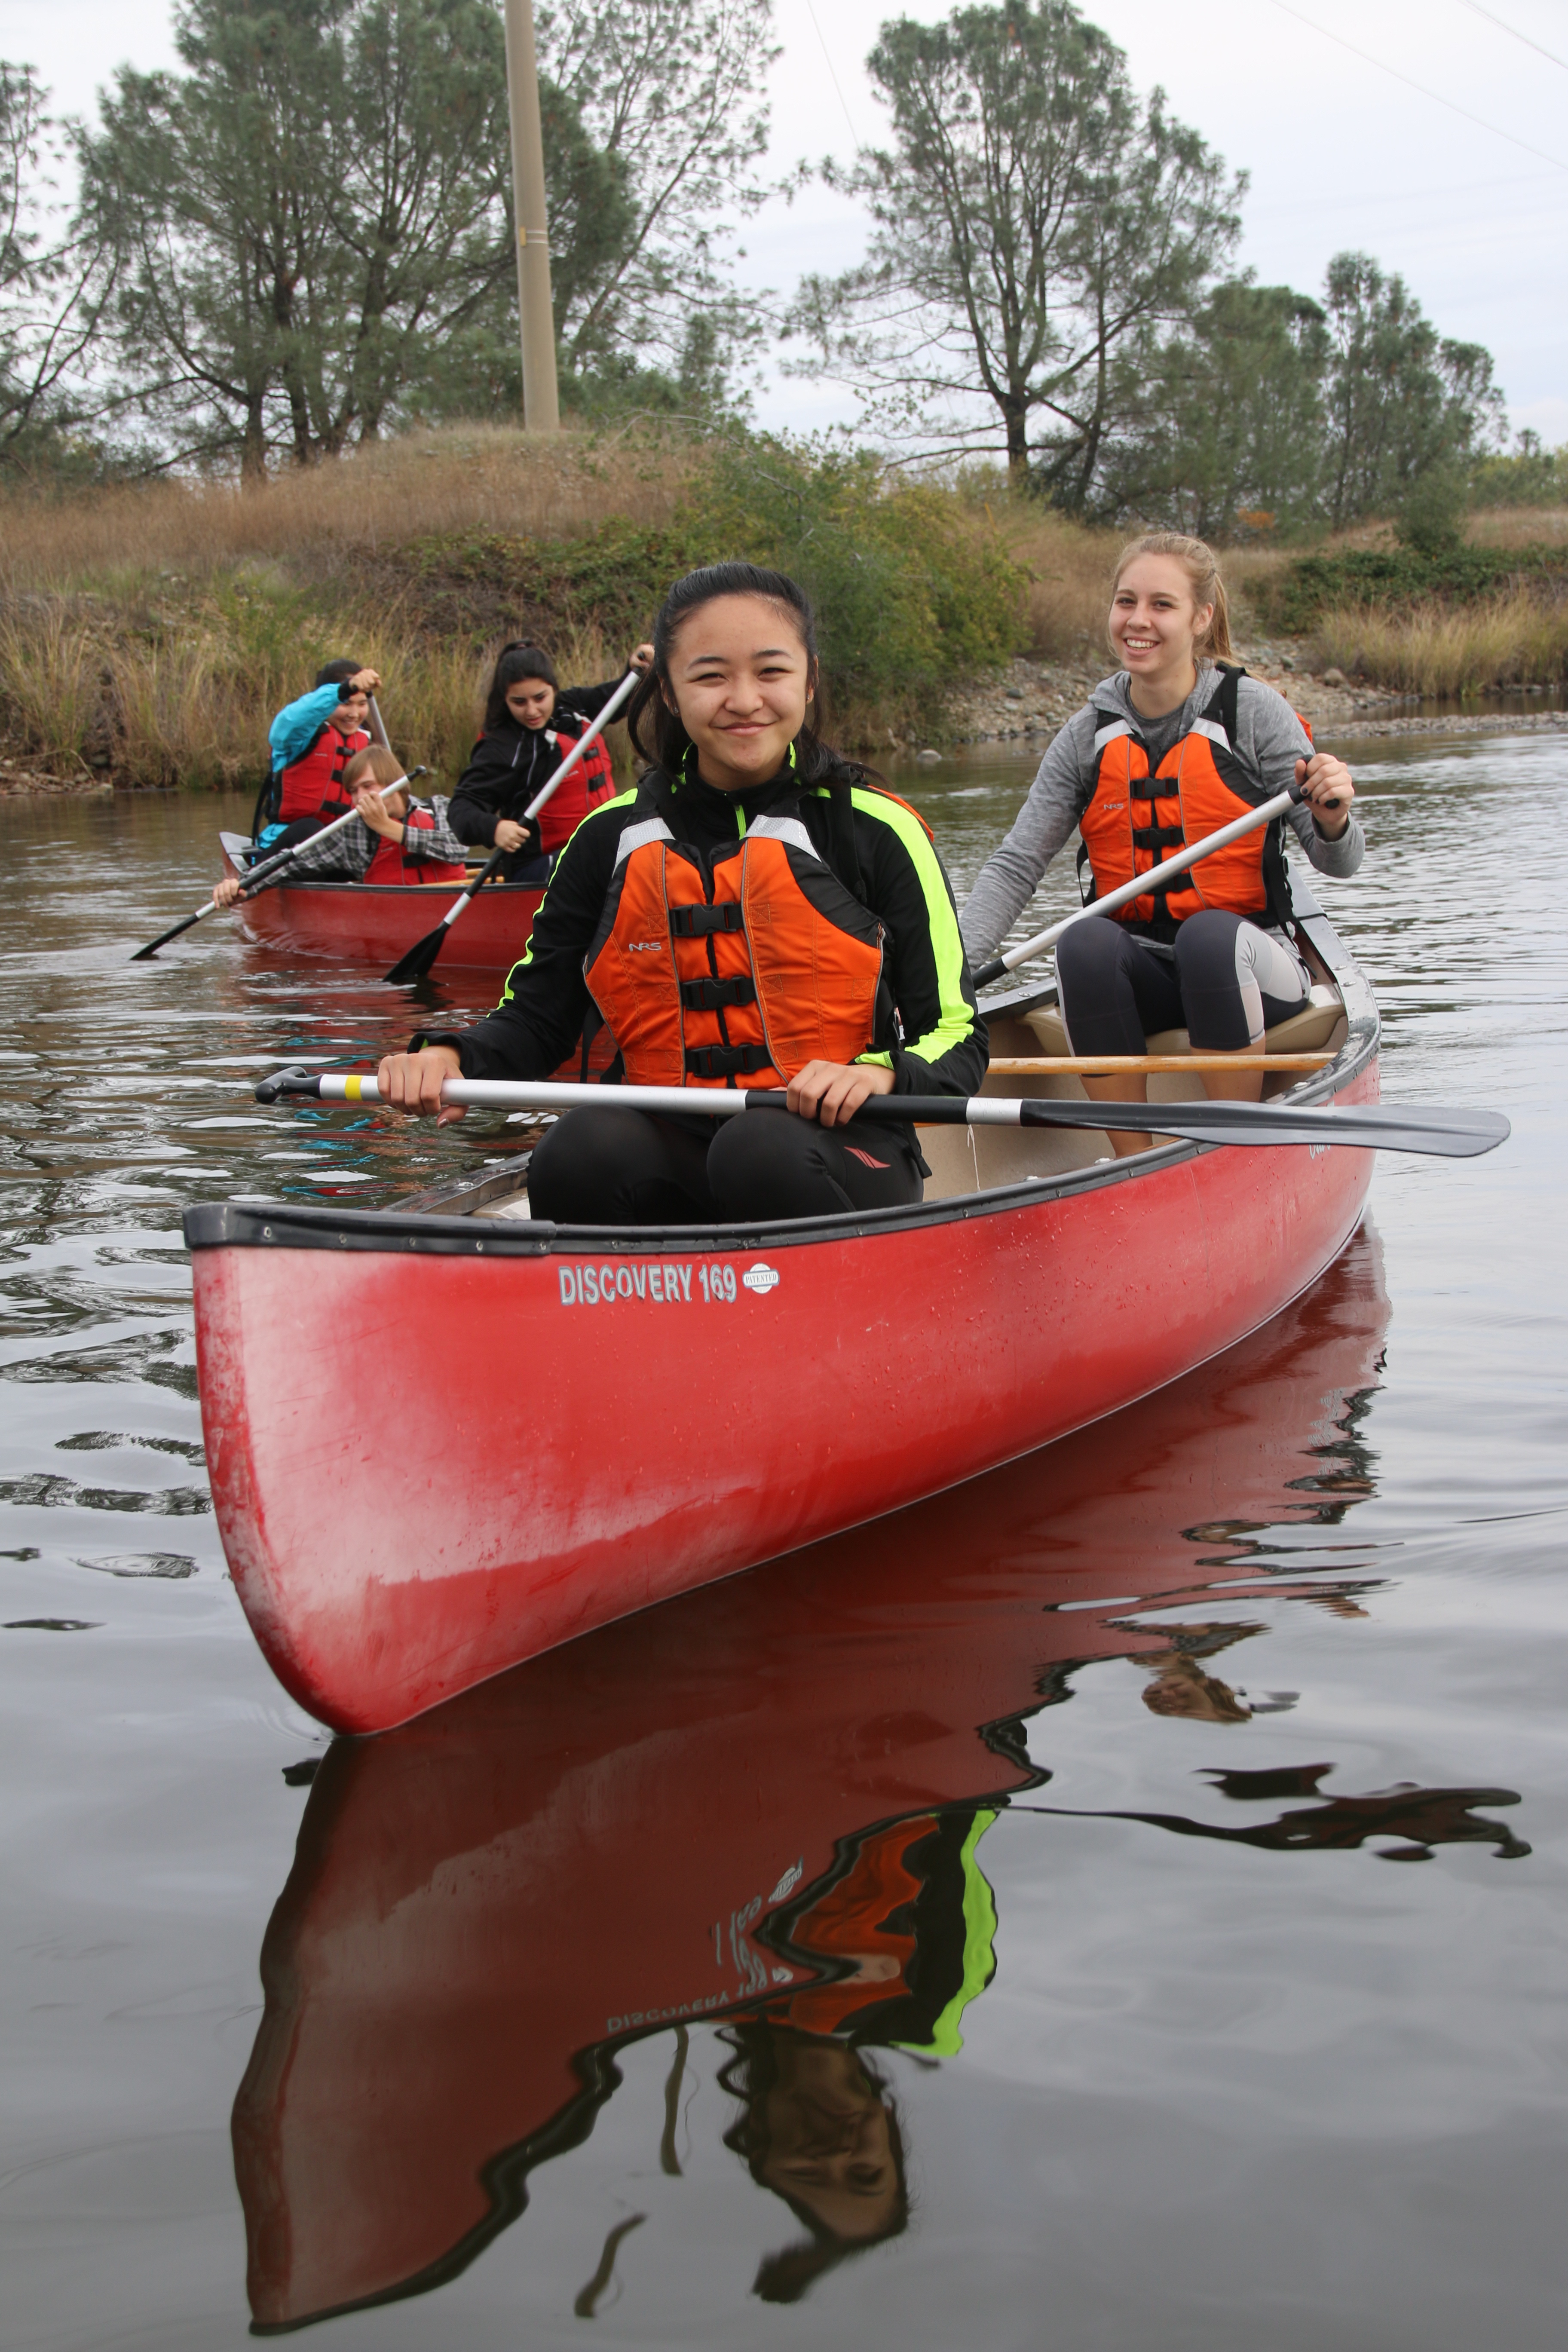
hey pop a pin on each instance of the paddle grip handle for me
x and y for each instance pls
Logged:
(296, 1080)
(1299, 794)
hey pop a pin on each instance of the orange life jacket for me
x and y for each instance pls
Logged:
(1135, 821)
(740, 969)
(313, 785)
(391, 862)
(868, 1918)
(590, 784)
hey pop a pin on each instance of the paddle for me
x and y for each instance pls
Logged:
(422, 955)
(260, 876)
(999, 966)
(1453, 1135)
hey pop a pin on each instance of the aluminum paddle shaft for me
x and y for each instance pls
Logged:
(1454, 1135)
(999, 966)
(260, 876)
(589, 736)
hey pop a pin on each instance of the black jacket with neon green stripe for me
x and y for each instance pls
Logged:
(934, 1037)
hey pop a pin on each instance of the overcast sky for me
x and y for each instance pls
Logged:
(1341, 153)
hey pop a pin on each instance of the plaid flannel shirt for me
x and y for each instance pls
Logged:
(346, 856)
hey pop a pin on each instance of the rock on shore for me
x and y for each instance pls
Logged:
(1032, 698)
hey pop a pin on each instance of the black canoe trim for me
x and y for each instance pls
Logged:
(287, 1225)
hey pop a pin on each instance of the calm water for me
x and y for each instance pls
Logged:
(1183, 1809)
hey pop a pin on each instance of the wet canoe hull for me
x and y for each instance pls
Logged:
(485, 1908)
(600, 1422)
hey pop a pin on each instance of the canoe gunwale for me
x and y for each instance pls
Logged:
(234, 845)
(287, 1225)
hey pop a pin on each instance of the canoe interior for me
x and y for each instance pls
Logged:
(972, 1161)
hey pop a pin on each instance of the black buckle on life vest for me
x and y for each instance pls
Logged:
(700, 923)
(708, 995)
(725, 1061)
(1157, 837)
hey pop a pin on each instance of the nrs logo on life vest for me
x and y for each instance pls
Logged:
(761, 1278)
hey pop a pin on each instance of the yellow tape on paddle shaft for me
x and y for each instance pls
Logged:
(351, 1090)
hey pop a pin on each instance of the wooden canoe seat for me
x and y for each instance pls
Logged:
(964, 1159)
(1313, 1026)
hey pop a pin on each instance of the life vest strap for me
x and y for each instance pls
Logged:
(726, 1061)
(700, 923)
(708, 995)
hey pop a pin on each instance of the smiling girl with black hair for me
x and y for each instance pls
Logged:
(760, 912)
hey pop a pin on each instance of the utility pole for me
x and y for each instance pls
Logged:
(540, 403)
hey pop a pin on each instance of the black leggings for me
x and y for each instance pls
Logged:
(623, 1168)
(1224, 983)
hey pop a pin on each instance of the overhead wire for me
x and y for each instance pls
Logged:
(1550, 54)
(1367, 58)
(833, 77)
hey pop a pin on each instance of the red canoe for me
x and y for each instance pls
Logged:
(488, 1906)
(606, 1419)
(356, 923)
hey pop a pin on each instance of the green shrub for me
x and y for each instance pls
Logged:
(914, 587)
(1530, 477)
(1398, 579)
(1431, 517)
(480, 582)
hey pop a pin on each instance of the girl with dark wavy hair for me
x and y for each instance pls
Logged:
(532, 722)
(759, 912)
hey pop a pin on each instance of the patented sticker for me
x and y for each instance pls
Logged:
(761, 1278)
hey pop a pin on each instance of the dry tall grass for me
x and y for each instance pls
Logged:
(1518, 527)
(1069, 571)
(484, 478)
(162, 626)
(158, 628)
(189, 701)
(1447, 649)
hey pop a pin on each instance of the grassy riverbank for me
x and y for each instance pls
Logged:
(148, 634)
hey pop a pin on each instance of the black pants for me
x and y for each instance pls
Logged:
(623, 1168)
(297, 829)
(1223, 981)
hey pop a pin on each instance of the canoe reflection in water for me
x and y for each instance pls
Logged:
(760, 1811)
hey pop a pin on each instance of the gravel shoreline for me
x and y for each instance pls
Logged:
(1029, 702)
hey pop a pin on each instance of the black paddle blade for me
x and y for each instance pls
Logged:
(421, 956)
(1449, 1134)
(164, 937)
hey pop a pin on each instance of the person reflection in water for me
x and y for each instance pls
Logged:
(818, 2126)
(1179, 1686)
(900, 1939)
